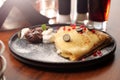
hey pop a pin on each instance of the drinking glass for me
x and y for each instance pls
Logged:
(98, 13)
(82, 10)
(48, 8)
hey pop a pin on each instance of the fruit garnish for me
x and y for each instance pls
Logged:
(66, 38)
(44, 27)
(83, 27)
(69, 29)
(79, 29)
(64, 28)
(73, 26)
(97, 53)
(91, 28)
(93, 31)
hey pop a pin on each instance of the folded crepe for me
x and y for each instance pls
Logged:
(75, 42)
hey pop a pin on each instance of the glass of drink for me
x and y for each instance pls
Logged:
(98, 13)
(48, 8)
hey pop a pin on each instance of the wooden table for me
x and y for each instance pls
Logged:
(19, 71)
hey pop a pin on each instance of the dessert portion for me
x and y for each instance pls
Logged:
(34, 35)
(71, 42)
(41, 34)
(74, 42)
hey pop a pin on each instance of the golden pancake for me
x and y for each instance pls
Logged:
(75, 42)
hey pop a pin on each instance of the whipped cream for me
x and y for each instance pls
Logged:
(23, 32)
(48, 35)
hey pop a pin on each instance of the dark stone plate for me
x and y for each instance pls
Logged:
(45, 56)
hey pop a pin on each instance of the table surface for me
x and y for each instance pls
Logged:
(19, 71)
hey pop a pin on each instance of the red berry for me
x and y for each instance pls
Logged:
(99, 53)
(73, 26)
(64, 28)
(69, 29)
(93, 31)
(83, 27)
(80, 32)
(95, 54)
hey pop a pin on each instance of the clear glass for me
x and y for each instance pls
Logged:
(73, 14)
(48, 8)
(82, 11)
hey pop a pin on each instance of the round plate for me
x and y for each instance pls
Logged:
(45, 56)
